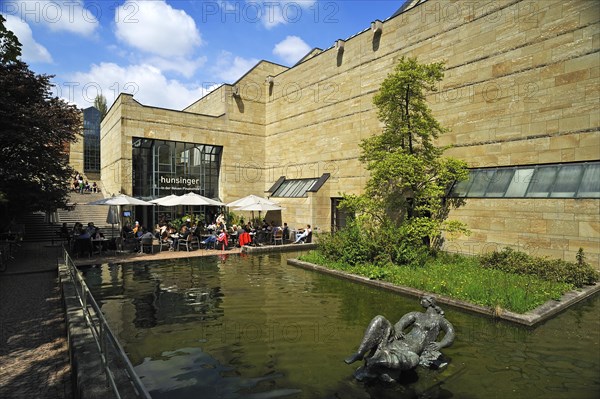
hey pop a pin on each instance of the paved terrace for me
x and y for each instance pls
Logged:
(34, 356)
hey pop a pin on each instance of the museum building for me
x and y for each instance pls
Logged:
(520, 96)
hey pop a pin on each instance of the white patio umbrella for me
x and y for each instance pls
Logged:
(191, 199)
(249, 200)
(260, 207)
(120, 200)
(159, 201)
(112, 218)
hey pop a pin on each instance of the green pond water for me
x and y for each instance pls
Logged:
(254, 327)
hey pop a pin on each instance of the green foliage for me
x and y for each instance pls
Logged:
(178, 222)
(458, 277)
(232, 218)
(351, 245)
(407, 192)
(100, 105)
(10, 47)
(577, 273)
(35, 129)
(402, 107)
(358, 243)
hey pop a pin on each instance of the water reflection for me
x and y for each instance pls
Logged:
(253, 326)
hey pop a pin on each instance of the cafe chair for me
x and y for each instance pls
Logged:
(164, 244)
(307, 239)
(278, 236)
(147, 243)
(188, 243)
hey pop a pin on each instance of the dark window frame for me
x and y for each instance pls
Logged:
(533, 181)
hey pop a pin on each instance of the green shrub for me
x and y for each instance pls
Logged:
(577, 273)
(350, 245)
(356, 244)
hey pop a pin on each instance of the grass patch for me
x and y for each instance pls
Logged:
(460, 277)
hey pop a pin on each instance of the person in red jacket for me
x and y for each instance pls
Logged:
(222, 239)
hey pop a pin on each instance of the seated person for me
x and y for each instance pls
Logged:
(137, 229)
(184, 232)
(83, 243)
(90, 229)
(127, 231)
(77, 230)
(286, 232)
(211, 239)
(165, 235)
(64, 232)
(222, 239)
(98, 235)
(301, 237)
(146, 238)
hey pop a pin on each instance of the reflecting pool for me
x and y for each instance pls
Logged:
(253, 327)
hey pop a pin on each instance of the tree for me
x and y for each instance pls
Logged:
(409, 181)
(35, 132)
(10, 47)
(100, 105)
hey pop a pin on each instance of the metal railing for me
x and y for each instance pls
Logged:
(103, 336)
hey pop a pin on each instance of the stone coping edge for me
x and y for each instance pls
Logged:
(89, 378)
(529, 319)
(278, 248)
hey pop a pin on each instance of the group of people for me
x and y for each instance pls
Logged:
(267, 232)
(213, 234)
(217, 234)
(84, 239)
(80, 186)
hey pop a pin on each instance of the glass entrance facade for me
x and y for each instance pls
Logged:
(169, 167)
(163, 167)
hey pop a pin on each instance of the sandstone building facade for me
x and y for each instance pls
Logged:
(520, 95)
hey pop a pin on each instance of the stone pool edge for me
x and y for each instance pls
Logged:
(532, 318)
(88, 376)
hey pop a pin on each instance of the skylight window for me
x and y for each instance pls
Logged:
(576, 180)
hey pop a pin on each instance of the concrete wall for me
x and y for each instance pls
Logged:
(76, 151)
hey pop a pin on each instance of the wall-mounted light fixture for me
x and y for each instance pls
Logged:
(339, 45)
(235, 91)
(269, 80)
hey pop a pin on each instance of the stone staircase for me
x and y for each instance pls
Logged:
(38, 229)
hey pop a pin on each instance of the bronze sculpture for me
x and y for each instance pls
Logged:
(388, 350)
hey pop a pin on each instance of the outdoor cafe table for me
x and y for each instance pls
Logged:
(101, 244)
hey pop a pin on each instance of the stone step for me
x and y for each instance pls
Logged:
(37, 228)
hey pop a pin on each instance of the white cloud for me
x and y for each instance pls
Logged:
(31, 51)
(291, 49)
(183, 66)
(230, 68)
(146, 82)
(70, 16)
(281, 12)
(156, 28)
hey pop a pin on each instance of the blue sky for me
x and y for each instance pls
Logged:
(170, 53)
